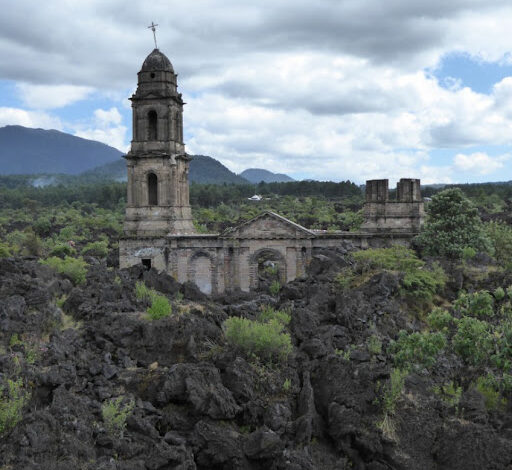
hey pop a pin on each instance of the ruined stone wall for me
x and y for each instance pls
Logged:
(404, 214)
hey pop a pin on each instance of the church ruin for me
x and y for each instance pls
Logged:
(158, 227)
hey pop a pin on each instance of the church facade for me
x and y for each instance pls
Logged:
(158, 227)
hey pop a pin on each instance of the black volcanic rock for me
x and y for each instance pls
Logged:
(199, 404)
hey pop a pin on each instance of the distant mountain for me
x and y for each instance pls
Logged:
(110, 171)
(256, 175)
(35, 151)
(203, 169)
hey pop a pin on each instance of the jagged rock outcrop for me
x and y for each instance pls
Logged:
(197, 404)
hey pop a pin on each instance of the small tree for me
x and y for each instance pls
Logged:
(452, 224)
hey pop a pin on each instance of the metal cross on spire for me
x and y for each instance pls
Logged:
(153, 26)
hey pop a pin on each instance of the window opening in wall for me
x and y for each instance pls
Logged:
(152, 189)
(152, 124)
(152, 75)
(146, 262)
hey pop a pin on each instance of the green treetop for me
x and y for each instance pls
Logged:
(452, 224)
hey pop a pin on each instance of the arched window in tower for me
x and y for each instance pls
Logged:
(152, 189)
(152, 125)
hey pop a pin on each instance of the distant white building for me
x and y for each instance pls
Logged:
(256, 197)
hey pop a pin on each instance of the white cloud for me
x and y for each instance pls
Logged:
(21, 117)
(335, 90)
(51, 96)
(106, 117)
(479, 162)
(107, 128)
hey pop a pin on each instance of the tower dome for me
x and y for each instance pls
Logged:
(157, 62)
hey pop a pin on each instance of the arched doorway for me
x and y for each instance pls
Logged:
(266, 266)
(152, 189)
(152, 125)
(200, 272)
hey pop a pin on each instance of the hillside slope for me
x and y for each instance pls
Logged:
(256, 175)
(35, 151)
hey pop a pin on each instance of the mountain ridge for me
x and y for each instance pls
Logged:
(25, 150)
(257, 175)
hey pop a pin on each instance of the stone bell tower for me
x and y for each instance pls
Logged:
(158, 190)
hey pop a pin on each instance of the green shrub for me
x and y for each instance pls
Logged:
(417, 349)
(476, 304)
(68, 233)
(388, 401)
(266, 341)
(468, 253)
(418, 282)
(439, 319)
(62, 250)
(115, 414)
(489, 388)
(5, 250)
(499, 293)
(473, 340)
(374, 345)
(449, 393)
(160, 307)
(275, 287)
(32, 245)
(271, 270)
(12, 401)
(98, 249)
(422, 284)
(344, 278)
(396, 258)
(500, 235)
(142, 292)
(268, 313)
(393, 391)
(42, 226)
(502, 356)
(74, 268)
(15, 340)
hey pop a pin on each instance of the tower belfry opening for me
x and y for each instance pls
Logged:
(152, 125)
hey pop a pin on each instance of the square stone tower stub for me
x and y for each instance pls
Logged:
(158, 189)
(405, 214)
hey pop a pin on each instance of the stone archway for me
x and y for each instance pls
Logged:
(200, 271)
(266, 265)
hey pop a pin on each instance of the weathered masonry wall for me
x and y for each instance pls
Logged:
(404, 214)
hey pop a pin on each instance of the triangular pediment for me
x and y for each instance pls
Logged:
(267, 226)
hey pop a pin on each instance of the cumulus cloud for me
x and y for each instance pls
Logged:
(51, 96)
(106, 117)
(107, 128)
(334, 90)
(480, 162)
(21, 117)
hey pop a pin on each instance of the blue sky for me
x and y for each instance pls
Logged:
(335, 90)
